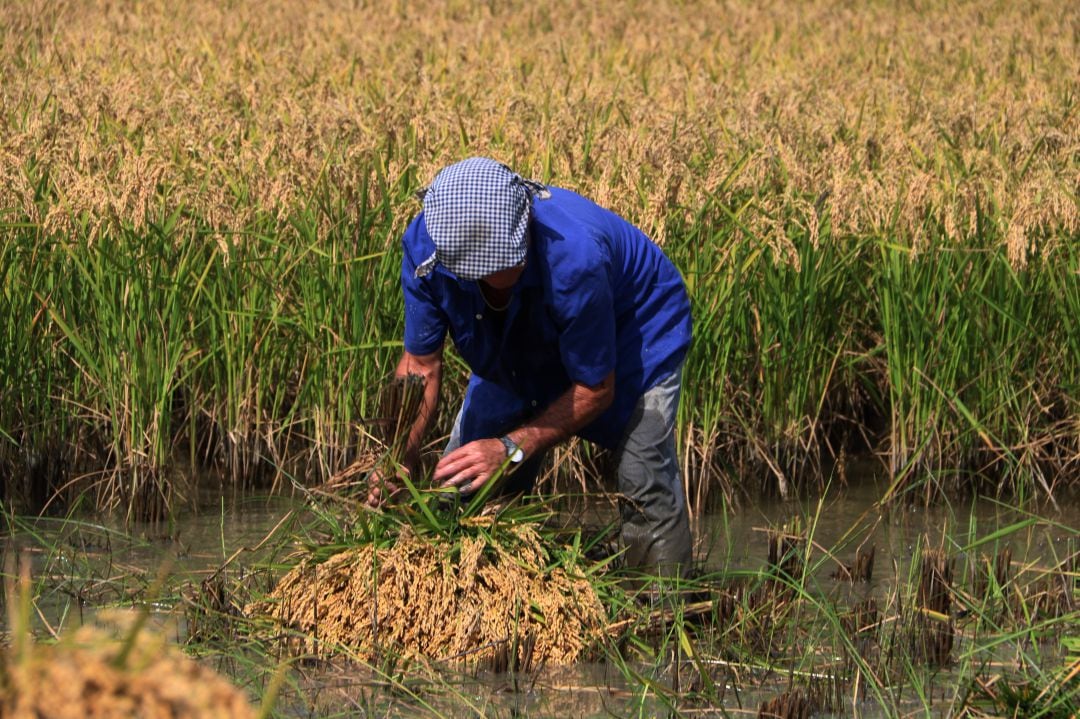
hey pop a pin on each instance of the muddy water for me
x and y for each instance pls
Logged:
(844, 519)
(92, 564)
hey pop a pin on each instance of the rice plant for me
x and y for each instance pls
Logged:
(798, 341)
(878, 244)
(126, 320)
(33, 421)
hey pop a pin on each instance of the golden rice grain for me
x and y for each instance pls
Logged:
(422, 598)
(928, 108)
(80, 677)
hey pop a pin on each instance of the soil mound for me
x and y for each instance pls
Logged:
(484, 596)
(97, 674)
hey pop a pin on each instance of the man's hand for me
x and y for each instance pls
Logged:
(384, 485)
(383, 489)
(471, 465)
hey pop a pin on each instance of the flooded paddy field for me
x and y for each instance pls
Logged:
(823, 605)
(873, 206)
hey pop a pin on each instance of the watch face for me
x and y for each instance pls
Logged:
(513, 452)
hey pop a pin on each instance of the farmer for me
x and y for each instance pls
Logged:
(573, 323)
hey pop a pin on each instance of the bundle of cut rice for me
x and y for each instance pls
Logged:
(113, 673)
(422, 598)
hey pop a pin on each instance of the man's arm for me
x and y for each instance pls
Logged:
(429, 367)
(473, 464)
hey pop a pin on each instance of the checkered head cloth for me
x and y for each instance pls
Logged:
(477, 212)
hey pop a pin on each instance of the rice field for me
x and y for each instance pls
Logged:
(875, 206)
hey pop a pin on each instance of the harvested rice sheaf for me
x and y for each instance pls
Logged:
(93, 674)
(437, 600)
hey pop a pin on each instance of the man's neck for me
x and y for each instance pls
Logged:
(497, 299)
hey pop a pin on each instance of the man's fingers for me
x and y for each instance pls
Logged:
(459, 479)
(475, 485)
(447, 467)
(461, 471)
(373, 499)
(481, 456)
(466, 483)
(382, 489)
(461, 460)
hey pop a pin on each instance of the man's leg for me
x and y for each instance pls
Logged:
(655, 522)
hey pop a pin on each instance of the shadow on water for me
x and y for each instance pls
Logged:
(82, 565)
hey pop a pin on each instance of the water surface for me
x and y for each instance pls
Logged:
(86, 564)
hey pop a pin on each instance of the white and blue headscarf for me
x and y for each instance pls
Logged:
(477, 213)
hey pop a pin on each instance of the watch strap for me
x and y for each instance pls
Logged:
(513, 452)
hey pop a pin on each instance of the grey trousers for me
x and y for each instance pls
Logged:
(655, 528)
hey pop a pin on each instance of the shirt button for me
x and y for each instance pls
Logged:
(479, 316)
(534, 403)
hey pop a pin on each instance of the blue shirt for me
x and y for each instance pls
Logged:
(596, 296)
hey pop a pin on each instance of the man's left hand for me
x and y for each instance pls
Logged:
(471, 465)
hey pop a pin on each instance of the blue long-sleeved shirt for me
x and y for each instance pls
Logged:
(596, 295)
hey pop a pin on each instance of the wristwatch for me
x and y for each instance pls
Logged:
(513, 452)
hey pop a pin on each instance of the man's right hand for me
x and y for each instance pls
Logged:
(385, 484)
(384, 487)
